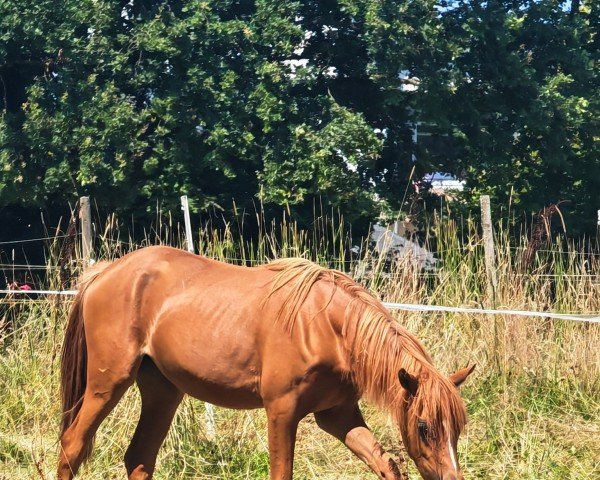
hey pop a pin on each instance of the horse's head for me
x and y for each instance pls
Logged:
(431, 423)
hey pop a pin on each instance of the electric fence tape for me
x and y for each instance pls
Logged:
(395, 306)
(488, 311)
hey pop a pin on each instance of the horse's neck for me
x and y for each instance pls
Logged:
(378, 349)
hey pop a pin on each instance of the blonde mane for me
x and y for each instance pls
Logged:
(90, 274)
(378, 347)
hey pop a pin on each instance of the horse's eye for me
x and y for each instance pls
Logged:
(423, 430)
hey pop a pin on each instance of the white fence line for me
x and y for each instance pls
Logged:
(488, 311)
(39, 292)
(39, 239)
(410, 307)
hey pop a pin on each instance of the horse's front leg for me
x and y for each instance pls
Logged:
(282, 424)
(346, 423)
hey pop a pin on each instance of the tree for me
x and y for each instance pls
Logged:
(521, 103)
(136, 102)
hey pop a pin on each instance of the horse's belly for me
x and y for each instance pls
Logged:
(216, 391)
(216, 363)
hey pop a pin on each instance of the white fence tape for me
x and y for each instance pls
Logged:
(522, 313)
(397, 306)
(39, 292)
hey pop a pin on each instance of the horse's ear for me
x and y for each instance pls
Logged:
(458, 377)
(409, 382)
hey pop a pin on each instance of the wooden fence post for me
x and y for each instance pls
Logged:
(211, 429)
(85, 216)
(488, 246)
(490, 268)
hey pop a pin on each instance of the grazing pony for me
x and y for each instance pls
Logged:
(291, 337)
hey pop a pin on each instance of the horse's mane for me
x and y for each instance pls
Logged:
(378, 347)
(90, 274)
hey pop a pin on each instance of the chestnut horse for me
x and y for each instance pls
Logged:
(290, 336)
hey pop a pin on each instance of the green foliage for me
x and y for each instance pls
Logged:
(147, 100)
(138, 102)
(522, 103)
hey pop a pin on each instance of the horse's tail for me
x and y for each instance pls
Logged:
(73, 368)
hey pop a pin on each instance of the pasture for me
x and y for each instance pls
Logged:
(533, 401)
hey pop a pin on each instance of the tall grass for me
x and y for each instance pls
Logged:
(534, 402)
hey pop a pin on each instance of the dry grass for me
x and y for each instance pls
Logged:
(534, 402)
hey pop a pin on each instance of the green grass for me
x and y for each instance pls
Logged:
(534, 401)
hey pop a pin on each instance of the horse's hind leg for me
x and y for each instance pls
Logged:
(160, 399)
(105, 387)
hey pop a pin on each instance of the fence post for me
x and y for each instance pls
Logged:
(211, 429)
(490, 267)
(85, 216)
(188, 224)
(488, 246)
